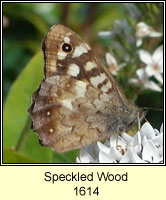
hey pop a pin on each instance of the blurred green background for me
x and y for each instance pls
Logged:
(24, 26)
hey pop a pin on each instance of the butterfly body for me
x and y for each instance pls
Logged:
(78, 102)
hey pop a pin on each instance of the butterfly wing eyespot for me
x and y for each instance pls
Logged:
(67, 47)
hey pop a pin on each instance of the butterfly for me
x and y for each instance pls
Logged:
(78, 102)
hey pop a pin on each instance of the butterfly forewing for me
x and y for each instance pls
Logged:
(78, 102)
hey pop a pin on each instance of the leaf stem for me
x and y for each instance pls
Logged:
(23, 134)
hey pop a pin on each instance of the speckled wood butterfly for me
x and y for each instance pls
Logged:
(78, 102)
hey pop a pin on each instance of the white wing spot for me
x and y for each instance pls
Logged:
(79, 50)
(67, 39)
(67, 103)
(104, 98)
(90, 65)
(106, 87)
(69, 34)
(88, 47)
(51, 130)
(48, 113)
(80, 89)
(95, 81)
(61, 55)
(73, 70)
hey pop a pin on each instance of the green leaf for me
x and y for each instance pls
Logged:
(12, 156)
(18, 101)
(108, 16)
(32, 147)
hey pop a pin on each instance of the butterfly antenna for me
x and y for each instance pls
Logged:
(149, 108)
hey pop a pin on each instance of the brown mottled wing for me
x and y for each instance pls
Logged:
(78, 102)
(62, 114)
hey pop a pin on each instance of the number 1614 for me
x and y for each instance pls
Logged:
(82, 191)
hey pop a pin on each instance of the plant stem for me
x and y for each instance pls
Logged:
(23, 134)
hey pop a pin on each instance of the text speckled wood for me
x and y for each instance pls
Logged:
(78, 102)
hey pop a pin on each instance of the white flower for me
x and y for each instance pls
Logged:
(120, 27)
(104, 33)
(145, 147)
(143, 80)
(154, 62)
(144, 30)
(113, 66)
